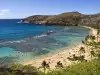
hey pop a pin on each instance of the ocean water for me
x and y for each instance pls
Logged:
(24, 41)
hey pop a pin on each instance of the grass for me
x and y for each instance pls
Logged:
(81, 68)
(84, 68)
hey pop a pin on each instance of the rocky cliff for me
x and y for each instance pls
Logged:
(68, 18)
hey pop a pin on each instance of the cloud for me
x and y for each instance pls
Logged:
(4, 12)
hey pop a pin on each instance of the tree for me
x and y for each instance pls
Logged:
(83, 42)
(98, 55)
(98, 32)
(86, 38)
(59, 65)
(92, 38)
(92, 53)
(45, 65)
(82, 50)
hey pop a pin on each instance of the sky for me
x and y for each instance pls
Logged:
(12, 9)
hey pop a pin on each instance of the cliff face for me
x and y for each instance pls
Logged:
(68, 18)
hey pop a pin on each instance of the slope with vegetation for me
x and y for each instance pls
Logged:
(68, 18)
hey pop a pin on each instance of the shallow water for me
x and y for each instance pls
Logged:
(25, 41)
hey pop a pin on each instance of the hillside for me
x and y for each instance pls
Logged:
(68, 18)
(35, 19)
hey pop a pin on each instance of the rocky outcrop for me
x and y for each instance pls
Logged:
(68, 18)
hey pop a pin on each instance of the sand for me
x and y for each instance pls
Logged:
(62, 55)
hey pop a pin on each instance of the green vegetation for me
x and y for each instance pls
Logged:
(26, 68)
(45, 66)
(84, 68)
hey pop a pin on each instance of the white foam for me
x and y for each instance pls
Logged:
(66, 28)
(43, 35)
(19, 41)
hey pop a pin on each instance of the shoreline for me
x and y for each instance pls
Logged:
(60, 55)
(53, 58)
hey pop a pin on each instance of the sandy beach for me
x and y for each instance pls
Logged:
(62, 55)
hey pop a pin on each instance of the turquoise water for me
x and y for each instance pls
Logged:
(6, 51)
(21, 42)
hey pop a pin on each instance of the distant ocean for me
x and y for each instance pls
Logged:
(24, 41)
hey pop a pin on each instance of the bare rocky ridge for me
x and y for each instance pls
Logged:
(68, 18)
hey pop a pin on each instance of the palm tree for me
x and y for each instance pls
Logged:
(98, 54)
(83, 42)
(92, 53)
(45, 65)
(92, 38)
(86, 38)
(59, 65)
(98, 32)
(82, 50)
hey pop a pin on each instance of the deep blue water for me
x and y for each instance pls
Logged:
(11, 30)
(24, 40)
